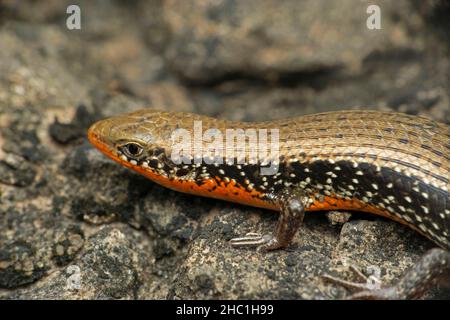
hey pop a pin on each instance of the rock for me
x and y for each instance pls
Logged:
(109, 268)
(214, 39)
(15, 171)
(67, 245)
(77, 225)
(370, 238)
(65, 133)
(26, 250)
(214, 271)
(383, 249)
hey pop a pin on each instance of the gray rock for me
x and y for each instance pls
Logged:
(213, 39)
(108, 268)
(76, 225)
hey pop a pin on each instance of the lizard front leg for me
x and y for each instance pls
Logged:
(292, 210)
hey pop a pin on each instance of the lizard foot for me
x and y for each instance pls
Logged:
(253, 239)
(434, 265)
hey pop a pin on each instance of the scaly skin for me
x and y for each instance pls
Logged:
(390, 164)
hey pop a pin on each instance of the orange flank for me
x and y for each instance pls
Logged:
(330, 203)
(218, 189)
(209, 188)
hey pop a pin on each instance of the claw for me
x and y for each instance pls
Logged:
(348, 284)
(358, 273)
(368, 284)
(251, 239)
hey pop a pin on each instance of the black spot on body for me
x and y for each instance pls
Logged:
(438, 153)
(182, 172)
(153, 163)
(395, 197)
(199, 182)
(302, 155)
(400, 196)
(437, 164)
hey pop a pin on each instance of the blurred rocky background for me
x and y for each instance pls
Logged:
(75, 225)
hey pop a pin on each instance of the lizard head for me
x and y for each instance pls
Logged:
(140, 140)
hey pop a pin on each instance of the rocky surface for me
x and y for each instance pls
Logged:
(76, 225)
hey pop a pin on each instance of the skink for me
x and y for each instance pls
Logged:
(390, 164)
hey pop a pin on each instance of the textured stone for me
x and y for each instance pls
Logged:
(76, 225)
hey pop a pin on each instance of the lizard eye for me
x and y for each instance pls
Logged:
(132, 149)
